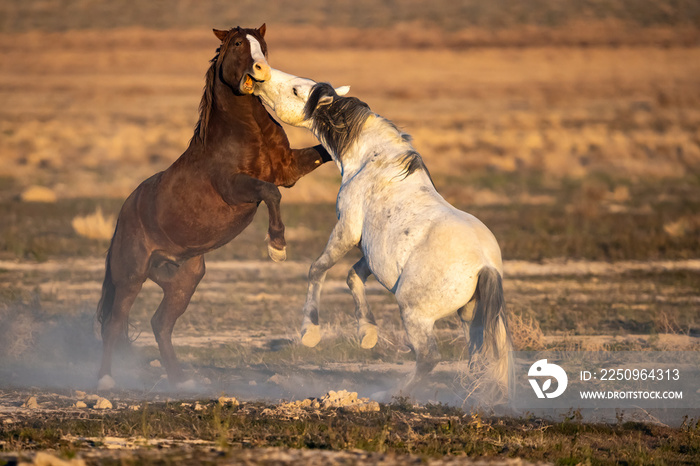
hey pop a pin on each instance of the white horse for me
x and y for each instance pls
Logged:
(436, 259)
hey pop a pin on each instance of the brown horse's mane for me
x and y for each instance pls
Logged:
(205, 105)
(207, 102)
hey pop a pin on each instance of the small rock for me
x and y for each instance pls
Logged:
(276, 379)
(155, 363)
(103, 403)
(198, 407)
(92, 397)
(31, 403)
(339, 399)
(366, 407)
(252, 383)
(309, 403)
(79, 395)
(134, 407)
(348, 400)
(80, 404)
(224, 400)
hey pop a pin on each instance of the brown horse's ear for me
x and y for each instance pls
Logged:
(262, 30)
(220, 34)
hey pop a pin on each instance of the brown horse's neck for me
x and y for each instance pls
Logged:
(228, 113)
(231, 104)
(240, 137)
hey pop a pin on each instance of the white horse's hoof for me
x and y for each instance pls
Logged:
(277, 255)
(106, 383)
(311, 335)
(368, 336)
(187, 386)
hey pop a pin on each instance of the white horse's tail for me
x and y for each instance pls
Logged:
(489, 337)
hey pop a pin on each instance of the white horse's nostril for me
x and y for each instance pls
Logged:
(258, 66)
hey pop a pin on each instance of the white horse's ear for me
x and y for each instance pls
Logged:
(325, 100)
(342, 90)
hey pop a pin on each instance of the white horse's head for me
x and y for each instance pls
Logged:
(287, 95)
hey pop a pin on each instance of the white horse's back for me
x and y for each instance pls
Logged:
(411, 225)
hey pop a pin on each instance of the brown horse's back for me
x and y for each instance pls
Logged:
(167, 213)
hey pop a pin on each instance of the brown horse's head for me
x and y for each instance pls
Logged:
(242, 58)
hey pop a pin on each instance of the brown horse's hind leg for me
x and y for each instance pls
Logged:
(178, 284)
(116, 327)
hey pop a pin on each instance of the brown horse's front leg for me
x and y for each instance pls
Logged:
(306, 160)
(243, 189)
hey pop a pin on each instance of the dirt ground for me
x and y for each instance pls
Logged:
(240, 338)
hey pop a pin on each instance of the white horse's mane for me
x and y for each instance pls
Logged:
(341, 122)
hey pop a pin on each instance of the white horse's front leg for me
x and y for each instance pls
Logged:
(341, 241)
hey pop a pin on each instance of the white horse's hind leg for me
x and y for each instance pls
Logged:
(420, 335)
(466, 314)
(366, 325)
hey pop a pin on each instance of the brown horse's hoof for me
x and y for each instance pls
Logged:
(187, 386)
(368, 336)
(311, 335)
(106, 382)
(277, 255)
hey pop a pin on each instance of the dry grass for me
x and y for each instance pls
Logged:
(525, 333)
(95, 225)
(38, 194)
(668, 323)
(17, 331)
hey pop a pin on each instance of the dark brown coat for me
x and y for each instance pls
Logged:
(238, 157)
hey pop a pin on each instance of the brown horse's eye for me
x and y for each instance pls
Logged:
(238, 43)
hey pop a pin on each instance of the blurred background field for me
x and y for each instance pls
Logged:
(571, 128)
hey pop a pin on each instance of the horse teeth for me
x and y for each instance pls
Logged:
(248, 84)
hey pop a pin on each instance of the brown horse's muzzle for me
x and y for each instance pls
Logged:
(259, 72)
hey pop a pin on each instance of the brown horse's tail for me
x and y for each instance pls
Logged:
(104, 307)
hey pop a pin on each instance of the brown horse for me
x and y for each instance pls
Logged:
(238, 157)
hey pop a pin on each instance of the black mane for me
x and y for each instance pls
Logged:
(411, 162)
(338, 123)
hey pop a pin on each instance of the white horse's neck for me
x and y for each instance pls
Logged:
(379, 139)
